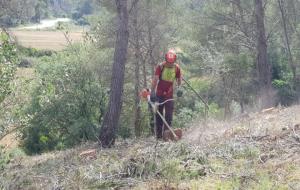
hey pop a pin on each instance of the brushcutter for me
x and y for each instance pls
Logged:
(169, 134)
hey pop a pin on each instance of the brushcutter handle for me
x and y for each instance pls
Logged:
(146, 94)
(149, 98)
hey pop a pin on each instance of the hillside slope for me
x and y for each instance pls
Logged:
(255, 151)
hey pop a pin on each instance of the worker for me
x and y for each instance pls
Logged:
(166, 75)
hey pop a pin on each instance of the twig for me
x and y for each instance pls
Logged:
(256, 138)
(114, 175)
(291, 187)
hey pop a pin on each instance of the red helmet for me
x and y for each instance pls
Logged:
(170, 56)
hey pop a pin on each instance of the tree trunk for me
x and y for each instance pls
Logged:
(111, 119)
(226, 97)
(264, 70)
(283, 16)
(136, 35)
(144, 75)
(242, 107)
(150, 38)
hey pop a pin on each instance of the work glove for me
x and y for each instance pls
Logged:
(179, 93)
(153, 97)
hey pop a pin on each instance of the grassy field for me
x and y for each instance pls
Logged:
(50, 40)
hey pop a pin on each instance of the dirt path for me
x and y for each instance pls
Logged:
(48, 23)
(10, 141)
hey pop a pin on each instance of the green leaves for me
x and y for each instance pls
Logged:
(66, 103)
(8, 59)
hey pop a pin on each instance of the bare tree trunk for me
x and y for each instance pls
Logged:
(150, 38)
(264, 70)
(242, 105)
(227, 96)
(152, 60)
(136, 35)
(144, 75)
(110, 124)
(283, 16)
(241, 11)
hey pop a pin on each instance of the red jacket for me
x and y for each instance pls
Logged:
(167, 76)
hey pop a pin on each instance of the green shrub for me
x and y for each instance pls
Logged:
(8, 59)
(25, 63)
(186, 114)
(286, 94)
(66, 107)
(33, 52)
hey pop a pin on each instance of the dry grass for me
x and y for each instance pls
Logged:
(257, 151)
(50, 40)
(25, 73)
(9, 141)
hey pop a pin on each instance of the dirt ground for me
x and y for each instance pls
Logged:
(10, 141)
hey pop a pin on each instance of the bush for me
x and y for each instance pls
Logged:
(79, 15)
(32, 52)
(76, 15)
(8, 60)
(25, 63)
(65, 106)
(186, 115)
(286, 94)
(82, 21)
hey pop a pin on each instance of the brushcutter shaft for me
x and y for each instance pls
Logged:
(155, 109)
(197, 94)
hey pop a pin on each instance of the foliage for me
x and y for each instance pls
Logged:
(12, 14)
(286, 94)
(237, 78)
(66, 106)
(15, 12)
(216, 42)
(33, 52)
(8, 59)
(83, 9)
(216, 50)
(75, 9)
(282, 76)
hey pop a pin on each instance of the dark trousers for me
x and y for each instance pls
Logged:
(166, 110)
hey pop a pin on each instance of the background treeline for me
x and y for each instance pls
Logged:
(16, 12)
(221, 48)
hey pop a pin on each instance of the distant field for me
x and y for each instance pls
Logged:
(51, 40)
